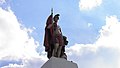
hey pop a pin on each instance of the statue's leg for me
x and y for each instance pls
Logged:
(49, 54)
(64, 56)
(55, 49)
(59, 51)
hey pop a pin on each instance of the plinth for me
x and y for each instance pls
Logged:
(54, 62)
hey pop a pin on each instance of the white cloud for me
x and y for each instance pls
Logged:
(109, 34)
(27, 63)
(13, 66)
(89, 24)
(89, 4)
(2, 1)
(104, 53)
(16, 44)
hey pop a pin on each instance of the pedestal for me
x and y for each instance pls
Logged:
(59, 63)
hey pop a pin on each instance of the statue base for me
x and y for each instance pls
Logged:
(54, 62)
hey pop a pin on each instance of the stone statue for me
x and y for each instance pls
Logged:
(54, 41)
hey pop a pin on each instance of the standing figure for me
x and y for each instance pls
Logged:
(59, 42)
(54, 41)
(63, 54)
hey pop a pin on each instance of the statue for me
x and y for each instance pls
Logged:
(54, 41)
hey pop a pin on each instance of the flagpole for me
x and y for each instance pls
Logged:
(52, 12)
(52, 9)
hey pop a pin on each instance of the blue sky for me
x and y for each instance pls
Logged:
(92, 28)
(35, 13)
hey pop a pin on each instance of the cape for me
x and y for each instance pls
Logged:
(48, 34)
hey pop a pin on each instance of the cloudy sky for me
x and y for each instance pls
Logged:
(92, 28)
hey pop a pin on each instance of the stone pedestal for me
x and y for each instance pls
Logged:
(59, 63)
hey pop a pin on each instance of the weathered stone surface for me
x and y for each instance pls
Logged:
(59, 63)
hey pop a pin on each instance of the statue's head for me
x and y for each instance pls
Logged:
(56, 17)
